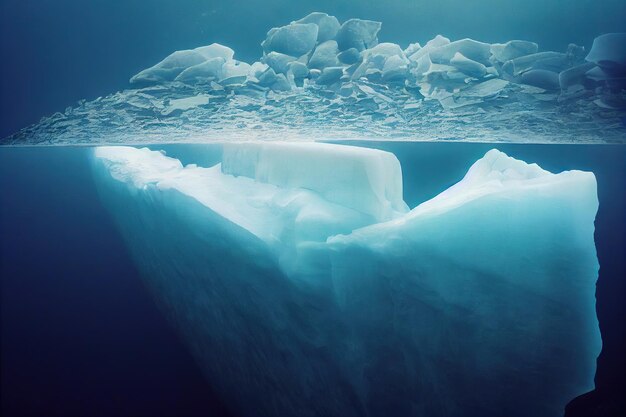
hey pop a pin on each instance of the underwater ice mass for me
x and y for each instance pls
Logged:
(480, 301)
(318, 77)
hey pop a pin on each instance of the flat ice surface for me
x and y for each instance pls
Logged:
(362, 179)
(296, 300)
(320, 78)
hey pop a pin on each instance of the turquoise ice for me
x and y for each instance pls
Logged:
(304, 285)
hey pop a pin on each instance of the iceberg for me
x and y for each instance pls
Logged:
(304, 285)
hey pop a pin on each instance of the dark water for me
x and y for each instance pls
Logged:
(82, 336)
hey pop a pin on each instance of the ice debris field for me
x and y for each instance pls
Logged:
(304, 285)
(320, 78)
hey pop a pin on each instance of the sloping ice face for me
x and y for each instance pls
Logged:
(304, 285)
(320, 78)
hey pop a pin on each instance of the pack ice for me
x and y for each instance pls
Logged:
(319, 77)
(304, 285)
(318, 50)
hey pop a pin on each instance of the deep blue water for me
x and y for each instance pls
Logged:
(82, 336)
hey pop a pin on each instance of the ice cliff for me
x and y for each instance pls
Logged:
(319, 77)
(304, 285)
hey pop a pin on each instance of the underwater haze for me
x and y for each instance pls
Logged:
(313, 208)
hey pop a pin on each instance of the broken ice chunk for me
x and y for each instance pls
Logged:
(471, 49)
(209, 70)
(468, 66)
(487, 89)
(349, 56)
(298, 69)
(503, 52)
(422, 65)
(278, 62)
(169, 68)
(385, 49)
(545, 79)
(328, 26)
(609, 51)
(412, 48)
(395, 68)
(436, 42)
(324, 55)
(215, 50)
(598, 74)
(375, 59)
(575, 75)
(474, 94)
(257, 68)
(554, 61)
(329, 75)
(295, 39)
(358, 34)
(185, 103)
(201, 64)
(267, 77)
(282, 83)
(234, 68)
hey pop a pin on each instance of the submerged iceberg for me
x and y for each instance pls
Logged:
(304, 285)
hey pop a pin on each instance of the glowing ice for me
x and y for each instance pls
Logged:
(304, 287)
